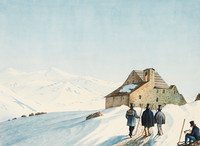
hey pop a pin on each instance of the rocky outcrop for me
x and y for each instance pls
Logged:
(40, 113)
(97, 114)
(32, 114)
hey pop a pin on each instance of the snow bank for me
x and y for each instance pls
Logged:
(128, 88)
(71, 128)
(66, 128)
(175, 116)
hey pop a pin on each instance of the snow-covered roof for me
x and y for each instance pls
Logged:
(128, 88)
(125, 89)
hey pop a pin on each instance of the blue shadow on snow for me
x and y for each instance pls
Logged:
(114, 140)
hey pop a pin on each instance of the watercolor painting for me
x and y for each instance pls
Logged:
(87, 72)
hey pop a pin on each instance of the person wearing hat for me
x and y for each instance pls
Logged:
(159, 119)
(194, 135)
(147, 120)
(130, 116)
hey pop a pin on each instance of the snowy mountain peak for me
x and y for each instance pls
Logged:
(50, 90)
(56, 71)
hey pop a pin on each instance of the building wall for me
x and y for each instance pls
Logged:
(117, 101)
(141, 95)
(156, 97)
(144, 91)
(109, 102)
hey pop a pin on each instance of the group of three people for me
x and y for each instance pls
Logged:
(148, 119)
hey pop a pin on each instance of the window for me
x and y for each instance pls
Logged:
(163, 90)
(146, 76)
(157, 90)
(174, 92)
(133, 82)
(140, 96)
(157, 99)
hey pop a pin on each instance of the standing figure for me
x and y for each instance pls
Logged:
(159, 119)
(130, 116)
(147, 120)
(194, 135)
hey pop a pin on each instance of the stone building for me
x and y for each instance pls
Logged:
(198, 97)
(142, 87)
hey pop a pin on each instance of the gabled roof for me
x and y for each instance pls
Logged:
(159, 82)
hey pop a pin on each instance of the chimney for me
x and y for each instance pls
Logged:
(149, 74)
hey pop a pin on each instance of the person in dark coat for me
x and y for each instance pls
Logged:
(130, 116)
(159, 119)
(147, 120)
(194, 135)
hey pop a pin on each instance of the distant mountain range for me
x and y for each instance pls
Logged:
(50, 91)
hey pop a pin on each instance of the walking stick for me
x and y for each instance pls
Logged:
(152, 107)
(138, 121)
(181, 130)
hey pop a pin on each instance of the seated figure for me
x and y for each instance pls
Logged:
(194, 135)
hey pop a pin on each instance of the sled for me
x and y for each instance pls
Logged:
(196, 143)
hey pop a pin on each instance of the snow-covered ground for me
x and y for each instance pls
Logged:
(71, 128)
(55, 91)
(49, 91)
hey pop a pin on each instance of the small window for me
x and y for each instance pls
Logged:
(174, 92)
(140, 97)
(133, 82)
(157, 99)
(163, 90)
(146, 78)
(157, 90)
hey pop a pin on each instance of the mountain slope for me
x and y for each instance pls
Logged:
(50, 90)
(10, 106)
(71, 128)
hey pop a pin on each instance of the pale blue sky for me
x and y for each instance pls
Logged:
(106, 39)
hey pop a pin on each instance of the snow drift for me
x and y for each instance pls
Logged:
(71, 128)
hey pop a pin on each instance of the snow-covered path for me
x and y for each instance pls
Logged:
(71, 128)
